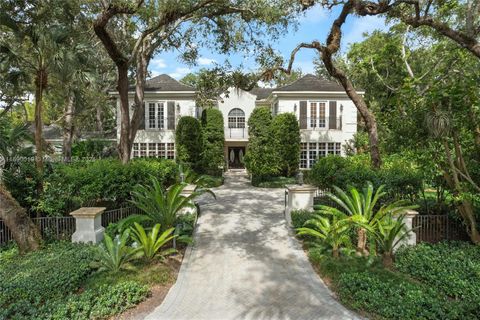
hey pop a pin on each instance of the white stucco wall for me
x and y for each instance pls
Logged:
(237, 98)
(348, 114)
(187, 108)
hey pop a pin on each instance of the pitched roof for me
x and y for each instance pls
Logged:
(310, 82)
(261, 93)
(164, 82)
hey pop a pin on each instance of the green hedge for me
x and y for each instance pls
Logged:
(213, 140)
(286, 141)
(189, 142)
(100, 182)
(400, 177)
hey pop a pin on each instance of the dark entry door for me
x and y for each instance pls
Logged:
(235, 157)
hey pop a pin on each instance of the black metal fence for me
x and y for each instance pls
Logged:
(435, 228)
(62, 228)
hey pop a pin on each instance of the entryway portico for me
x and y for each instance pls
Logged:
(234, 153)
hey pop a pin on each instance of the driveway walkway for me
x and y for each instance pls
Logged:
(246, 265)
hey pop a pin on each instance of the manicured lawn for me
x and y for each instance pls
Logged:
(439, 281)
(61, 281)
(276, 182)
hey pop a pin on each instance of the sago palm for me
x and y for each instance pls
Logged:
(389, 233)
(159, 205)
(361, 209)
(151, 243)
(114, 253)
(332, 231)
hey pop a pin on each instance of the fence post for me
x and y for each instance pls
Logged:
(88, 224)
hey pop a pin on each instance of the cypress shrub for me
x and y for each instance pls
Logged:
(213, 139)
(286, 135)
(261, 158)
(188, 141)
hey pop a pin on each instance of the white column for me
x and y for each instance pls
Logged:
(411, 240)
(88, 225)
(300, 197)
(187, 191)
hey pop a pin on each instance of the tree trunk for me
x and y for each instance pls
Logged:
(124, 146)
(327, 53)
(24, 231)
(40, 83)
(143, 59)
(68, 130)
(99, 118)
(362, 242)
(335, 252)
(387, 260)
(464, 206)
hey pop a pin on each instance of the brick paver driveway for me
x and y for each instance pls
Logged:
(245, 264)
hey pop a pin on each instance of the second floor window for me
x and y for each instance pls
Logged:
(236, 118)
(155, 115)
(317, 115)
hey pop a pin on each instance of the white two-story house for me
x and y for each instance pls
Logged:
(327, 117)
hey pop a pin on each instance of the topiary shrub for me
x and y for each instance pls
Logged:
(101, 182)
(213, 140)
(286, 141)
(261, 158)
(188, 141)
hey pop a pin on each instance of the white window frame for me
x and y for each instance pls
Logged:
(314, 123)
(163, 150)
(310, 152)
(159, 119)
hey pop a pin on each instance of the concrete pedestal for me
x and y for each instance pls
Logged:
(411, 240)
(188, 190)
(88, 225)
(299, 197)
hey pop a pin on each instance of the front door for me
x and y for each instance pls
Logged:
(235, 157)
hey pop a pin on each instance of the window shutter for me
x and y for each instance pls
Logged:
(141, 126)
(303, 114)
(332, 117)
(171, 115)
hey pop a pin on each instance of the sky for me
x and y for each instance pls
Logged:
(314, 25)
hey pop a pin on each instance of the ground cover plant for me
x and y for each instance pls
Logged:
(428, 281)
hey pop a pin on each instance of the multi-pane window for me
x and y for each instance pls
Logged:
(155, 115)
(236, 118)
(331, 148)
(154, 150)
(303, 156)
(317, 115)
(170, 151)
(143, 150)
(313, 114)
(310, 152)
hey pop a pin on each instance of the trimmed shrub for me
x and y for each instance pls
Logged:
(101, 182)
(96, 148)
(286, 135)
(188, 141)
(261, 159)
(401, 179)
(213, 139)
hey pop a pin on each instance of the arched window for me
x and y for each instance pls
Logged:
(236, 118)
